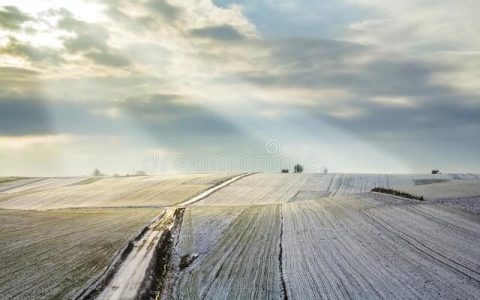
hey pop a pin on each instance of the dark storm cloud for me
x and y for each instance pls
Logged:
(425, 117)
(320, 64)
(433, 111)
(220, 33)
(32, 115)
(188, 128)
(405, 77)
(23, 117)
(311, 53)
(12, 18)
(163, 112)
(29, 115)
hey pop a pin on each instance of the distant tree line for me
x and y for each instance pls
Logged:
(298, 168)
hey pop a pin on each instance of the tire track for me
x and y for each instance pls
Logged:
(466, 271)
(243, 264)
(280, 257)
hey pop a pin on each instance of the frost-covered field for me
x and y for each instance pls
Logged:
(258, 189)
(51, 254)
(40, 184)
(8, 184)
(242, 262)
(263, 236)
(448, 189)
(107, 192)
(331, 240)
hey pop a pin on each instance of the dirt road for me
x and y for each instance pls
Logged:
(128, 281)
(129, 278)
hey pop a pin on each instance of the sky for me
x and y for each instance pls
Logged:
(164, 86)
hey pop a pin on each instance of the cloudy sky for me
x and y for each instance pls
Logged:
(230, 85)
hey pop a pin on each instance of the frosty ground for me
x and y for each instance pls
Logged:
(262, 236)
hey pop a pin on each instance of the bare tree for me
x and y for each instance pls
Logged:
(97, 172)
(298, 168)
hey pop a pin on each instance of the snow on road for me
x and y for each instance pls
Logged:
(129, 278)
(212, 190)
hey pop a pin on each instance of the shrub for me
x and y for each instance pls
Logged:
(397, 193)
(298, 168)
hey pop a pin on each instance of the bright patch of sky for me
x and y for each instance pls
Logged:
(318, 19)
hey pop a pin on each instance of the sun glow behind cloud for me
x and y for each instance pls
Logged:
(200, 79)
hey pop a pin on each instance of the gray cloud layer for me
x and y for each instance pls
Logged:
(34, 54)
(169, 85)
(221, 33)
(326, 64)
(91, 40)
(12, 18)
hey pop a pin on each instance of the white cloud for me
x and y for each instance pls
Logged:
(442, 24)
(215, 58)
(347, 112)
(21, 142)
(395, 101)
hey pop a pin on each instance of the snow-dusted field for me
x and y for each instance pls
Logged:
(448, 189)
(51, 254)
(258, 189)
(41, 184)
(110, 192)
(367, 253)
(242, 262)
(331, 240)
(13, 183)
(261, 236)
